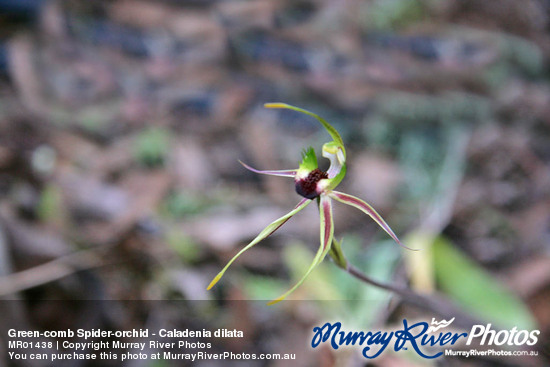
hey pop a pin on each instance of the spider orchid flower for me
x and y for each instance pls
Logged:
(313, 183)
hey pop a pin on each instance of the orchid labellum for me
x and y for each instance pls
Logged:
(313, 183)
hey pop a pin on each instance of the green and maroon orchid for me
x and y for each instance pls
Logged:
(313, 183)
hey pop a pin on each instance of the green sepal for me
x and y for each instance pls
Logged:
(327, 236)
(276, 224)
(328, 127)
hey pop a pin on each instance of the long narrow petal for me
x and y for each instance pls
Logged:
(367, 209)
(263, 234)
(283, 173)
(327, 233)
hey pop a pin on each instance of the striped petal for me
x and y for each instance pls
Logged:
(263, 234)
(327, 234)
(283, 173)
(367, 209)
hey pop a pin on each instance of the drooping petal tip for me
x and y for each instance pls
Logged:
(369, 210)
(277, 300)
(214, 281)
(275, 105)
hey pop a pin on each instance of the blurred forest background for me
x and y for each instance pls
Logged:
(122, 123)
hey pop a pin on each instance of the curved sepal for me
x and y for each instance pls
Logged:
(327, 235)
(328, 127)
(367, 209)
(263, 234)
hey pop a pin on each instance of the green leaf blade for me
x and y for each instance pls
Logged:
(476, 290)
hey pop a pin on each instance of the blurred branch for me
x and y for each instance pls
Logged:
(50, 271)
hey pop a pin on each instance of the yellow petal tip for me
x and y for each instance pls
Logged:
(214, 281)
(277, 300)
(275, 105)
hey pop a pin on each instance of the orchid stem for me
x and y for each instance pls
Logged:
(435, 303)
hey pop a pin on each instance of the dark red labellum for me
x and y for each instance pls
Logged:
(307, 187)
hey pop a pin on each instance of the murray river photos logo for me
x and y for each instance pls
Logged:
(419, 336)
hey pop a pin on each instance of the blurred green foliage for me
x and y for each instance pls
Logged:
(50, 205)
(182, 203)
(259, 287)
(476, 290)
(392, 14)
(183, 245)
(151, 146)
(524, 54)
